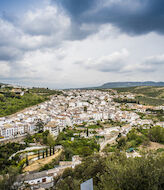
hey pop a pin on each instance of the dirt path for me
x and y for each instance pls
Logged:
(36, 165)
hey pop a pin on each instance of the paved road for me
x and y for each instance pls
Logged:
(28, 149)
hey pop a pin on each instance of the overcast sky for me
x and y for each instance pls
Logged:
(80, 43)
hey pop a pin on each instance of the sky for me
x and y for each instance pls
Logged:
(81, 43)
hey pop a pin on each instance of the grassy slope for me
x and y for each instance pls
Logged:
(12, 104)
(146, 95)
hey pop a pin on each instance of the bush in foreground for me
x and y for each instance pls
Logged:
(116, 172)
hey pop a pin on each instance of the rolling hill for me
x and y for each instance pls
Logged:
(130, 84)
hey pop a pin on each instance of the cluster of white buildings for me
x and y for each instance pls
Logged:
(74, 107)
(45, 179)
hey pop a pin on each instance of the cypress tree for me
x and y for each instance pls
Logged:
(87, 132)
(53, 150)
(50, 150)
(38, 155)
(46, 152)
(27, 163)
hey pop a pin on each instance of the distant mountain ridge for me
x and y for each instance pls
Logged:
(130, 84)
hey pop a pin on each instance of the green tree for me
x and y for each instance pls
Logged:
(85, 108)
(39, 126)
(6, 182)
(27, 162)
(50, 140)
(156, 134)
(121, 142)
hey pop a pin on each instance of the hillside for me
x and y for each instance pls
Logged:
(146, 95)
(130, 84)
(13, 99)
(150, 91)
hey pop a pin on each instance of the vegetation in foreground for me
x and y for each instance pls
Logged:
(5, 152)
(113, 170)
(116, 172)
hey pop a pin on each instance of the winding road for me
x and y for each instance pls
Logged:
(109, 141)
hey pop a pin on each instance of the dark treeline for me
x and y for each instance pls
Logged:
(120, 100)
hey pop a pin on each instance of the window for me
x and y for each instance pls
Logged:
(44, 180)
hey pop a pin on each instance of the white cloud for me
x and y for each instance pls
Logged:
(114, 62)
(40, 28)
(8, 33)
(47, 21)
(155, 60)
(152, 64)
(5, 69)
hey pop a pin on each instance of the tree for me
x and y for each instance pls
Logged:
(50, 140)
(7, 181)
(85, 108)
(68, 152)
(44, 136)
(115, 172)
(119, 135)
(53, 150)
(87, 132)
(86, 151)
(156, 134)
(46, 152)
(38, 154)
(2, 97)
(121, 142)
(43, 154)
(39, 126)
(27, 162)
(50, 150)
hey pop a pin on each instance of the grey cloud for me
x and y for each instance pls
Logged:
(131, 16)
(9, 53)
(74, 7)
(151, 64)
(38, 29)
(155, 61)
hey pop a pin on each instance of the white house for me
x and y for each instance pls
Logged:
(52, 127)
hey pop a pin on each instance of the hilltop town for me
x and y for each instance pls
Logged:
(75, 107)
(72, 125)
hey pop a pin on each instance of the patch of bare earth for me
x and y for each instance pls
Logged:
(153, 146)
(36, 165)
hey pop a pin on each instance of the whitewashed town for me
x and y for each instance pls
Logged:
(71, 108)
(81, 95)
(68, 118)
